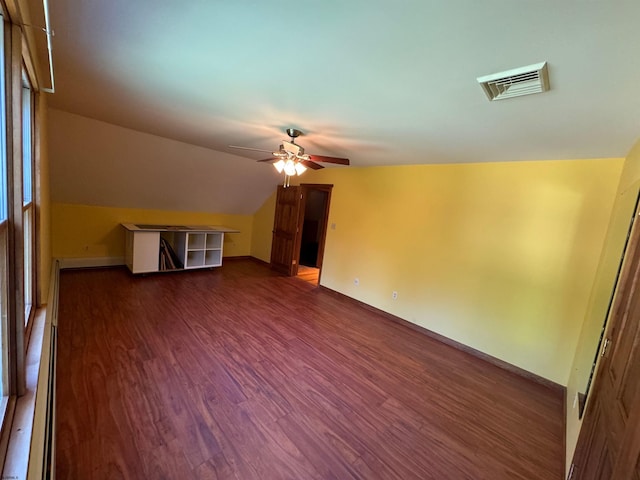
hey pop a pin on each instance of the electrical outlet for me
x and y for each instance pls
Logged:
(394, 295)
(356, 281)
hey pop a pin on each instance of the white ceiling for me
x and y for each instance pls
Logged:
(380, 82)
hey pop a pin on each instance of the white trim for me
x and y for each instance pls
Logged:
(91, 262)
(44, 416)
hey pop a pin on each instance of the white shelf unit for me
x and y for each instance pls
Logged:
(194, 246)
(199, 249)
(141, 252)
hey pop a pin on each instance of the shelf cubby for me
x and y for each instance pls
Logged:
(195, 259)
(196, 241)
(213, 258)
(214, 241)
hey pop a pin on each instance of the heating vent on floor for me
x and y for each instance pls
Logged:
(516, 82)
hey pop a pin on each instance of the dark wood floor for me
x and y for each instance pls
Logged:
(237, 373)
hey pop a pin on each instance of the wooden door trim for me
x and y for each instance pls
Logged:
(621, 299)
(625, 289)
(297, 242)
(328, 188)
(614, 315)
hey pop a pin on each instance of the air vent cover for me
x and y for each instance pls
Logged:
(516, 82)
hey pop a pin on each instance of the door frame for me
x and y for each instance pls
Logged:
(293, 262)
(622, 292)
(323, 187)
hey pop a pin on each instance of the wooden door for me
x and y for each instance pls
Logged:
(609, 443)
(285, 247)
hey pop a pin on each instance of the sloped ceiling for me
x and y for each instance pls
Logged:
(378, 82)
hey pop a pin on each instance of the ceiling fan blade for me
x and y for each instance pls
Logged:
(249, 148)
(322, 158)
(311, 165)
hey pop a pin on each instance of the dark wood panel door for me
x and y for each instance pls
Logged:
(609, 443)
(285, 247)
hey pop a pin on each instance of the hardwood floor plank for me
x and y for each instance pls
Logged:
(240, 374)
(216, 468)
(325, 458)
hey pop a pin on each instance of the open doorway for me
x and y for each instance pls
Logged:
(300, 229)
(314, 230)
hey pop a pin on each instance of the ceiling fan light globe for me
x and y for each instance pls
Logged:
(289, 168)
(279, 165)
(300, 168)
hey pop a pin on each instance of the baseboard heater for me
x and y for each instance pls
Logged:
(49, 471)
(43, 440)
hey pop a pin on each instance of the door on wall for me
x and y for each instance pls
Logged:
(300, 227)
(289, 215)
(609, 443)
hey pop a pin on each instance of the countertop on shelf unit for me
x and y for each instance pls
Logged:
(143, 227)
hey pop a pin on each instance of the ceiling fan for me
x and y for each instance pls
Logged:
(291, 159)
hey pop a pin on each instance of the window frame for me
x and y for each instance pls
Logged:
(28, 208)
(17, 70)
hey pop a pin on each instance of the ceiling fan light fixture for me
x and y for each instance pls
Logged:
(291, 159)
(289, 168)
(279, 165)
(300, 168)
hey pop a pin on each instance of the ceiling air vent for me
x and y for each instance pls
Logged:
(516, 82)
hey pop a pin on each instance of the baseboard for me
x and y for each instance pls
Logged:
(259, 261)
(557, 388)
(238, 257)
(91, 262)
(564, 431)
(247, 257)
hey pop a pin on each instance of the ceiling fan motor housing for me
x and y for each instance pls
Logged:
(292, 148)
(293, 133)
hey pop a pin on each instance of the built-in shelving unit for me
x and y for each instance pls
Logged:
(154, 248)
(197, 250)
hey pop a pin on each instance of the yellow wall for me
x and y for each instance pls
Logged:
(498, 256)
(602, 289)
(84, 231)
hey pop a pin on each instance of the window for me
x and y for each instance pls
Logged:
(18, 226)
(4, 237)
(28, 210)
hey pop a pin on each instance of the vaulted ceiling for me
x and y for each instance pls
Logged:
(379, 82)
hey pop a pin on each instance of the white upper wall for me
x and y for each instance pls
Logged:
(96, 163)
